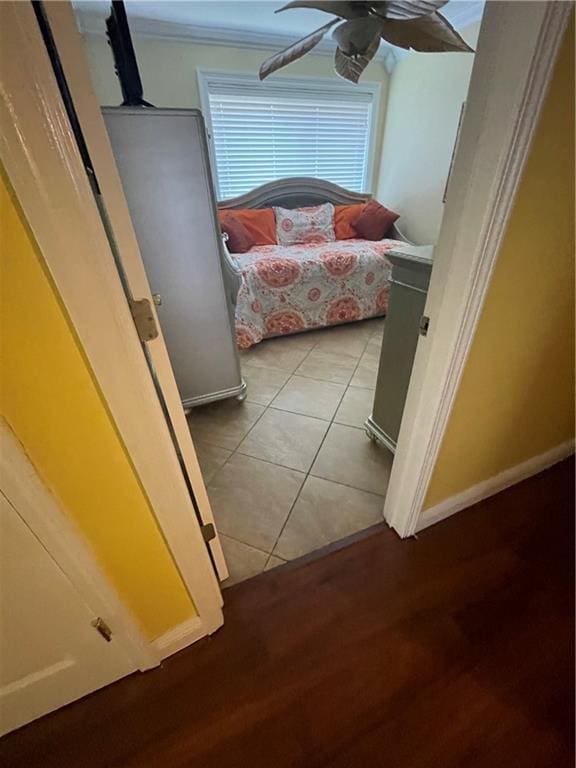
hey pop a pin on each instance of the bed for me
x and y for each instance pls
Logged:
(289, 289)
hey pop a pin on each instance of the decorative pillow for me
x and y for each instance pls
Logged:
(259, 222)
(344, 218)
(374, 221)
(239, 238)
(305, 225)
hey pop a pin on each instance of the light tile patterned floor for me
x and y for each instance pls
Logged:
(291, 469)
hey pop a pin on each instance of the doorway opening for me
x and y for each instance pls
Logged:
(295, 447)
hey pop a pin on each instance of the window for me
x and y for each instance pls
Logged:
(288, 127)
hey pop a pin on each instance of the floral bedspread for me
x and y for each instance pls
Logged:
(287, 289)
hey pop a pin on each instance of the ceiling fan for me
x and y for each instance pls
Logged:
(414, 25)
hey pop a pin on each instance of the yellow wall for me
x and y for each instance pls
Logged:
(50, 400)
(168, 70)
(516, 398)
(426, 94)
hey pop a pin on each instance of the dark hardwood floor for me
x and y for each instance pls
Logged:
(455, 649)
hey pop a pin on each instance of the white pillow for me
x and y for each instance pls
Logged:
(305, 225)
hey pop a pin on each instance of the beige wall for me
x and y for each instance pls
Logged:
(168, 71)
(425, 97)
(516, 397)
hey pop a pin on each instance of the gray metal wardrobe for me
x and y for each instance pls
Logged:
(162, 158)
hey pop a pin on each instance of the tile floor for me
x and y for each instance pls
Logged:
(290, 469)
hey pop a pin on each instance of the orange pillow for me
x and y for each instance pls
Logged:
(344, 218)
(259, 222)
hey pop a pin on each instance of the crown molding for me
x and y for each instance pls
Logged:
(93, 24)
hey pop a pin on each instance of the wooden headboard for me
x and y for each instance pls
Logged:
(298, 193)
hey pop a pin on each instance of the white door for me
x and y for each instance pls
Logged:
(50, 651)
(72, 56)
(48, 173)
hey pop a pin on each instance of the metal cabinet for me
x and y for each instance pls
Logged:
(163, 162)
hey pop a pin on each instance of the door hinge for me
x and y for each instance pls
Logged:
(102, 628)
(144, 319)
(424, 325)
(208, 532)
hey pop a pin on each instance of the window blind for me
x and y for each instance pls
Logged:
(261, 132)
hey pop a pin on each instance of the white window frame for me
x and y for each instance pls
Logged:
(303, 83)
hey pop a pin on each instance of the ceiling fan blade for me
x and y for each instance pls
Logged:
(344, 66)
(351, 67)
(294, 51)
(344, 9)
(427, 34)
(355, 36)
(398, 9)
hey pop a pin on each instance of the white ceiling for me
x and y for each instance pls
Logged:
(245, 15)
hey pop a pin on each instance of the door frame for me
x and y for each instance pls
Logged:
(54, 529)
(507, 89)
(517, 49)
(40, 155)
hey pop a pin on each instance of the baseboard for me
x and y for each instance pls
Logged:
(179, 637)
(494, 485)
